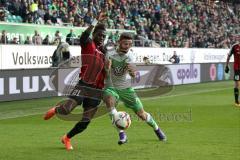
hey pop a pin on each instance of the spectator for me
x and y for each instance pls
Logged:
(174, 59)
(47, 17)
(54, 17)
(4, 38)
(146, 60)
(36, 39)
(28, 40)
(33, 10)
(34, 36)
(70, 37)
(24, 10)
(46, 40)
(14, 7)
(2, 15)
(172, 23)
(57, 37)
(14, 40)
(41, 12)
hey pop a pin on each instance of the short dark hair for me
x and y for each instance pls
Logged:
(126, 35)
(98, 27)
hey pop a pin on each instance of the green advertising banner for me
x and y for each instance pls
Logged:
(21, 31)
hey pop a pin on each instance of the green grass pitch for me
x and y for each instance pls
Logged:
(200, 121)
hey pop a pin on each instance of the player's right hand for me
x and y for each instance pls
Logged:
(226, 69)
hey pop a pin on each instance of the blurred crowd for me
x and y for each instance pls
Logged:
(166, 23)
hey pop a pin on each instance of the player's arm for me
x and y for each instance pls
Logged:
(131, 70)
(107, 61)
(107, 67)
(131, 67)
(85, 35)
(228, 59)
(108, 64)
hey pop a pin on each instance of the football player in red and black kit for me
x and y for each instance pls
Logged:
(235, 51)
(92, 75)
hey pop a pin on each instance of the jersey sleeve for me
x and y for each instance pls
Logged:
(84, 39)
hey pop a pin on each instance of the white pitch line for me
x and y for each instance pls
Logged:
(149, 98)
(185, 94)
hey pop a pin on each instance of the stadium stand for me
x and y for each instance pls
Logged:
(166, 23)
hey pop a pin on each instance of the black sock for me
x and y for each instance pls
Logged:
(236, 95)
(79, 127)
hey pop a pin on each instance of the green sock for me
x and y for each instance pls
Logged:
(151, 122)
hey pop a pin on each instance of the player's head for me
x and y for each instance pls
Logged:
(125, 42)
(99, 34)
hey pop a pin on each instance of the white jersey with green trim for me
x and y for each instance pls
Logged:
(117, 76)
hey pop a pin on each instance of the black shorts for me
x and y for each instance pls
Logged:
(236, 75)
(86, 101)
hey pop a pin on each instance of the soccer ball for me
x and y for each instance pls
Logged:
(122, 120)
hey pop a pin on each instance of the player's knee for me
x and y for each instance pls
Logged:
(142, 116)
(63, 110)
(66, 107)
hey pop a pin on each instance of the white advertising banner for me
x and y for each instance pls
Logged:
(33, 56)
(185, 73)
(186, 55)
(29, 56)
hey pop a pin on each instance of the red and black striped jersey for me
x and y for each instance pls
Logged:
(235, 51)
(92, 70)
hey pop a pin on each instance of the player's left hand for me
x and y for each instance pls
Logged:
(131, 70)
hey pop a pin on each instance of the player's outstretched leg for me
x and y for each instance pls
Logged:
(63, 107)
(151, 122)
